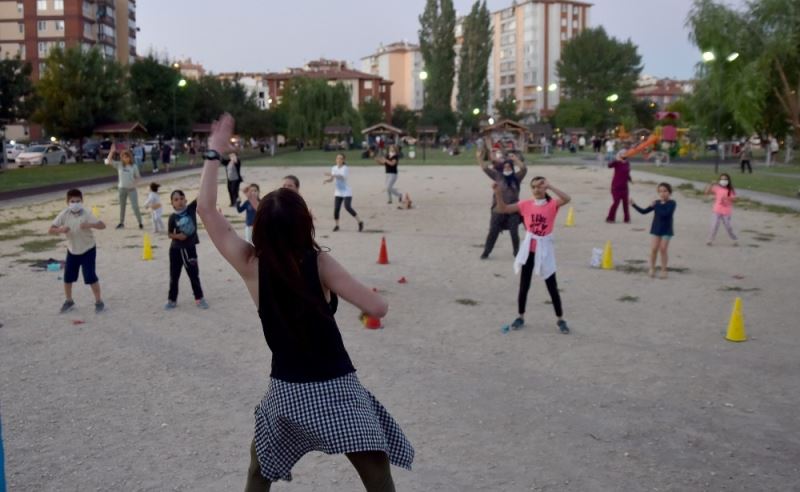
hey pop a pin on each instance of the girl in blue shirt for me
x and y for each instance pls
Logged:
(250, 206)
(663, 209)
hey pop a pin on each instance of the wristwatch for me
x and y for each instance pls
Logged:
(212, 155)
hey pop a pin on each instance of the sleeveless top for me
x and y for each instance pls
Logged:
(314, 351)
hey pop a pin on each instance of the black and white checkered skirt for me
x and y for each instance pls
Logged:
(335, 416)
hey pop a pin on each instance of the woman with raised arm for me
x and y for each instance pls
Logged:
(314, 401)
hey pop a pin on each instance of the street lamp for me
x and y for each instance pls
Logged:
(181, 83)
(552, 87)
(613, 98)
(423, 76)
(491, 121)
(708, 57)
(476, 111)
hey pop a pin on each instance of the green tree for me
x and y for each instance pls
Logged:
(594, 66)
(312, 104)
(573, 113)
(506, 108)
(760, 89)
(473, 82)
(152, 85)
(404, 119)
(16, 91)
(437, 41)
(371, 112)
(79, 91)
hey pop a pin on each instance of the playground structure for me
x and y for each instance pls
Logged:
(660, 142)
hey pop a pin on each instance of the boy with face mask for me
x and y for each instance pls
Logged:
(76, 223)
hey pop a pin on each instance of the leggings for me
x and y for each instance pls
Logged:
(525, 285)
(337, 206)
(124, 193)
(233, 190)
(391, 179)
(372, 467)
(746, 163)
(499, 222)
(726, 221)
(180, 258)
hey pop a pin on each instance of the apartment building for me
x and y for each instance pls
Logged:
(254, 83)
(400, 62)
(363, 86)
(662, 92)
(527, 44)
(189, 69)
(31, 28)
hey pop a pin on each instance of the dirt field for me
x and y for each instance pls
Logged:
(645, 394)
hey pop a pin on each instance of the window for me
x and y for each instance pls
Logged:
(367, 84)
(58, 4)
(42, 68)
(41, 5)
(88, 31)
(21, 27)
(41, 25)
(59, 25)
(563, 21)
(20, 8)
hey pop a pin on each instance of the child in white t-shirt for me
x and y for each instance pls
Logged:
(154, 203)
(76, 223)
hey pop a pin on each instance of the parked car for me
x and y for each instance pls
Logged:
(96, 150)
(12, 151)
(41, 155)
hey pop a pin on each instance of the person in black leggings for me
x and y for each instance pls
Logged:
(343, 194)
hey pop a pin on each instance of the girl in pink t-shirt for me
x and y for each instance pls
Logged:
(539, 216)
(724, 196)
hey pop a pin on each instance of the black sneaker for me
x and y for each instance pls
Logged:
(120, 226)
(562, 326)
(517, 324)
(99, 307)
(67, 306)
(336, 228)
(360, 226)
(484, 256)
(141, 226)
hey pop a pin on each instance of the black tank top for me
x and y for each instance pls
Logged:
(313, 352)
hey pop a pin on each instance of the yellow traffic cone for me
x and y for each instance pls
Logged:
(96, 211)
(147, 249)
(736, 324)
(608, 257)
(570, 218)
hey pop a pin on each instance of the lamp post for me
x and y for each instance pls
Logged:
(710, 57)
(181, 83)
(423, 76)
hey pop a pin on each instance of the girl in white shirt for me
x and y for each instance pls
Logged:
(343, 193)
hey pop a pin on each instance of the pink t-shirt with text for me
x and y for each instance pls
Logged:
(723, 205)
(539, 219)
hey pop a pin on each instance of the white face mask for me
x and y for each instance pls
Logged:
(540, 201)
(723, 182)
(75, 207)
(508, 173)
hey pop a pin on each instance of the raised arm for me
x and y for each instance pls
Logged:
(338, 280)
(110, 158)
(502, 207)
(561, 197)
(238, 252)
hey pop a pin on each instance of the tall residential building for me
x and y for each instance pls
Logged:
(363, 86)
(400, 62)
(527, 44)
(31, 28)
(662, 92)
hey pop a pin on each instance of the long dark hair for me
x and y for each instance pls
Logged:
(283, 236)
(731, 191)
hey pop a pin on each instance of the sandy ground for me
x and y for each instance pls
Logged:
(643, 395)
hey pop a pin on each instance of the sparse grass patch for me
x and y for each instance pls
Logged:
(627, 298)
(40, 245)
(12, 235)
(636, 262)
(736, 288)
(467, 302)
(630, 269)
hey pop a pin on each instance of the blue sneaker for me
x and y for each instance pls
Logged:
(201, 303)
(517, 324)
(562, 326)
(170, 305)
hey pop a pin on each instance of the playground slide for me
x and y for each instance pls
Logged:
(651, 141)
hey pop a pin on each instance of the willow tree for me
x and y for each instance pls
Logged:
(313, 104)
(753, 81)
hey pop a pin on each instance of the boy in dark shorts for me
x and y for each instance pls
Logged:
(76, 223)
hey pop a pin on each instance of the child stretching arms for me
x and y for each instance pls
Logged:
(661, 230)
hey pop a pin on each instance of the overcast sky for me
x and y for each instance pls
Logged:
(270, 35)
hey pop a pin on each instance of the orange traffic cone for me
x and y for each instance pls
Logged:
(383, 257)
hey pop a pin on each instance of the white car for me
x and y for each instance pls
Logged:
(41, 155)
(12, 151)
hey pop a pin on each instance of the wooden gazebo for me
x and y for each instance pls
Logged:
(506, 128)
(339, 132)
(382, 130)
(122, 131)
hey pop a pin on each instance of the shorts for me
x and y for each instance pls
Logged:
(85, 262)
(664, 237)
